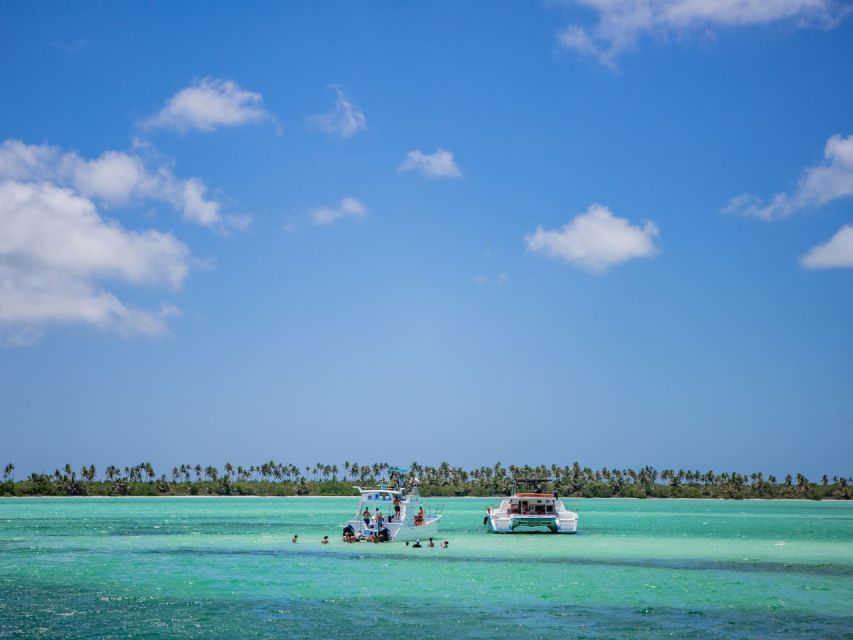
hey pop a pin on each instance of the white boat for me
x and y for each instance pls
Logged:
(413, 523)
(524, 512)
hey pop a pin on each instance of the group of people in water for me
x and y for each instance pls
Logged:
(382, 535)
(379, 534)
(430, 544)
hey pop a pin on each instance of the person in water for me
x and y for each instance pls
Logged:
(417, 544)
(430, 544)
(325, 540)
(444, 544)
(295, 539)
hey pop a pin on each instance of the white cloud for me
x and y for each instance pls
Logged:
(115, 178)
(621, 24)
(56, 251)
(596, 240)
(484, 280)
(344, 120)
(836, 253)
(439, 164)
(347, 208)
(817, 186)
(209, 104)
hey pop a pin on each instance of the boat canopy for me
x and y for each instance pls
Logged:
(378, 494)
(537, 484)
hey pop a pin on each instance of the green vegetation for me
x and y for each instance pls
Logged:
(276, 479)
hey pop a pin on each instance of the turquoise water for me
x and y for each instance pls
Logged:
(225, 567)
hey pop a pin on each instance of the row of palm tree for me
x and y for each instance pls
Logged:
(443, 479)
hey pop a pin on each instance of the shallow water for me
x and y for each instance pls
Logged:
(225, 567)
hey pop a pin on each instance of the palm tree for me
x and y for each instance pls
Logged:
(8, 471)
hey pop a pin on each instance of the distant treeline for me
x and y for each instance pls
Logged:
(277, 479)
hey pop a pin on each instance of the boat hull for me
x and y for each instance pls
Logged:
(400, 532)
(533, 524)
(425, 531)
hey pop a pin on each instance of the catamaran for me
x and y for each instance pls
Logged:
(533, 511)
(411, 522)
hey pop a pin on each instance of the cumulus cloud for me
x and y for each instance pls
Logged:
(344, 120)
(817, 186)
(835, 253)
(209, 104)
(346, 208)
(439, 164)
(115, 178)
(620, 25)
(596, 240)
(56, 253)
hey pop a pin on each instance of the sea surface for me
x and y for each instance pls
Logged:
(226, 568)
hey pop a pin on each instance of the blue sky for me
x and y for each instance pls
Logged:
(516, 231)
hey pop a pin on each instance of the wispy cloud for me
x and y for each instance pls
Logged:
(70, 48)
(116, 178)
(836, 253)
(439, 164)
(344, 120)
(596, 240)
(622, 24)
(817, 186)
(486, 281)
(209, 104)
(347, 208)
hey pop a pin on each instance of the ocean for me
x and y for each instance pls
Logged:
(226, 568)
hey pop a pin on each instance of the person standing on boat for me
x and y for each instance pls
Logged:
(396, 508)
(366, 516)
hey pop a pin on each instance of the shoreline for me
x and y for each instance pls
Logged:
(232, 497)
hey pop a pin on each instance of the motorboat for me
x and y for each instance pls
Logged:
(412, 523)
(531, 511)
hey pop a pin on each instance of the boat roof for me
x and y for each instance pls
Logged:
(533, 495)
(393, 492)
